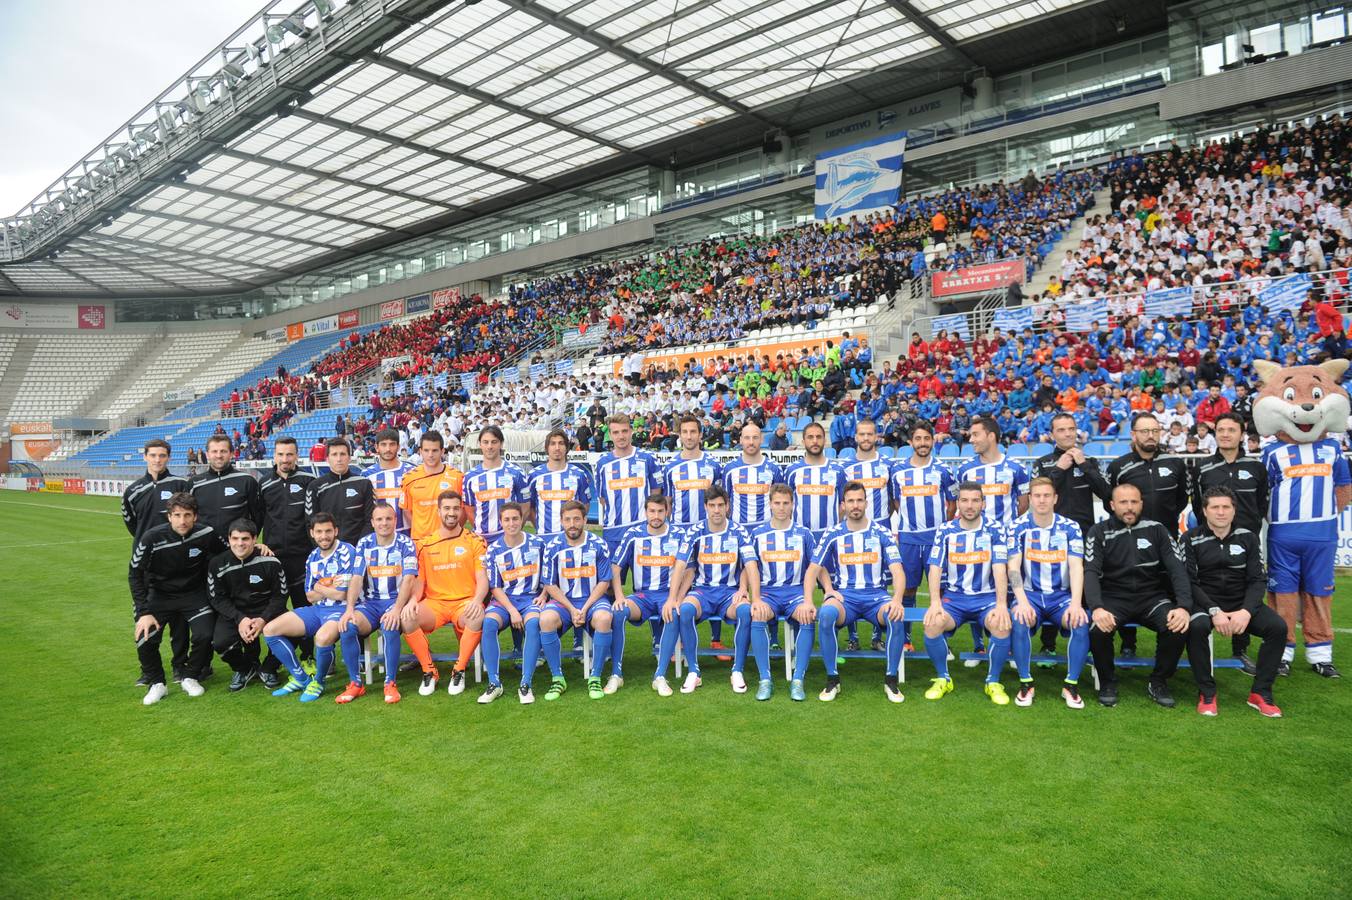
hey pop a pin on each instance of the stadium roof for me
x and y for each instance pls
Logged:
(314, 134)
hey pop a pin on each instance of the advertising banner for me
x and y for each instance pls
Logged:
(761, 350)
(978, 279)
(418, 304)
(92, 317)
(32, 441)
(349, 319)
(40, 315)
(326, 325)
(445, 297)
(73, 486)
(294, 332)
(391, 309)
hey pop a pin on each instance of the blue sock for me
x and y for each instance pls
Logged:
(802, 649)
(830, 617)
(977, 637)
(716, 630)
(602, 641)
(893, 644)
(999, 653)
(550, 644)
(491, 649)
(282, 648)
(908, 601)
(351, 641)
(657, 626)
(323, 662)
(937, 648)
(760, 644)
(391, 640)
(617, 626)
(1021, 643)
(741, 638)
(1077, 650)
(689, 636)
(530, 649)
(853, 631)
(666, 648)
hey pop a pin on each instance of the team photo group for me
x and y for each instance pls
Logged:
(280, 574)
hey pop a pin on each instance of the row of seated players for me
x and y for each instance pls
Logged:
(815, 489)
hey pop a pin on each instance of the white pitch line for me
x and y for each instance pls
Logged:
(97, 512)
(60, 543)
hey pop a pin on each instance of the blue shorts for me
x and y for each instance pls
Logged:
(567, 617)
(1297, 564)
(713, 601)
(1050, 608)
(864, 605)
(524, 605)
(649, 603)
(315, 617)
(373, 610)
(964, 608)
(914, 562)
(783, 600)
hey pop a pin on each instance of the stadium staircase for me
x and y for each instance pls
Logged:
(12, 376)
(133, 368)
(1051, 266)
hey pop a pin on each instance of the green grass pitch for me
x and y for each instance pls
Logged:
(632, 796)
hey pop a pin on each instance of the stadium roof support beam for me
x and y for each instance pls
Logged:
(925, 24)
(381, 136)
(95, 242)
(97, 238)
(500, 103)
(565, 24)
(119, 264)
(255, 232)
(333, 176)
(260, 201)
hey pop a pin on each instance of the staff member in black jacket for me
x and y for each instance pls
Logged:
(168, 577)
(1078, 480)
(1163, 484)
(1225, 565)
(247, 590)
(1134, 573)
(346, 495)
(223, 492)
(1246, 477)
(143, 507)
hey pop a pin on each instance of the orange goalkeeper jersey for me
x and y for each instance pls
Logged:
(448, 565)
(421, 490)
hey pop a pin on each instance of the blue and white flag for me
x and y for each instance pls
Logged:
(441, 380)
(511, 375)
(1169, 302)
(563, 367)
(401, 387)
(467, 380)
(1013, 318)
(956, 324)
(1082, 316)
(1288, 293)
(861, 177)
(538, 371)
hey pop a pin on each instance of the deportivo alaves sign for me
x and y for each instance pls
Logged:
(900, 116)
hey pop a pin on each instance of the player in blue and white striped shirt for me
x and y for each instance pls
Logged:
(1046, 576)
(649, 553)
(624, 478)
(387, 475)
(726, 583)
(748, 478)
(784, 551)
(387, 565)
(855, 562)
(684, 480)
(875, 474)
(489, 485)
(1002, 481)
(818, 484)
(576, 576)
(514, 563)
(968, 581)
(554, 482)
(923, 495)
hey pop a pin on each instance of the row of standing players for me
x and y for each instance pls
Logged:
(922, 495)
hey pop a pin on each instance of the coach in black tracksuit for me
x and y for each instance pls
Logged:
(143, 507)
(1078, 480)
(168, 578)
(223, 492)
(1225, 565)
(1163, 484)
(1134, 573)
(1246, 477)
(285, 530)
(247, 592)
(346, 495)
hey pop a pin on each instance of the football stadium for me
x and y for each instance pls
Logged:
(690, 448)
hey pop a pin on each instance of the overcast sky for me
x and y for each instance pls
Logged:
(73, 71)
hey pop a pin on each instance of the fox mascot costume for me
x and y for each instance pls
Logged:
(1304, 408)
